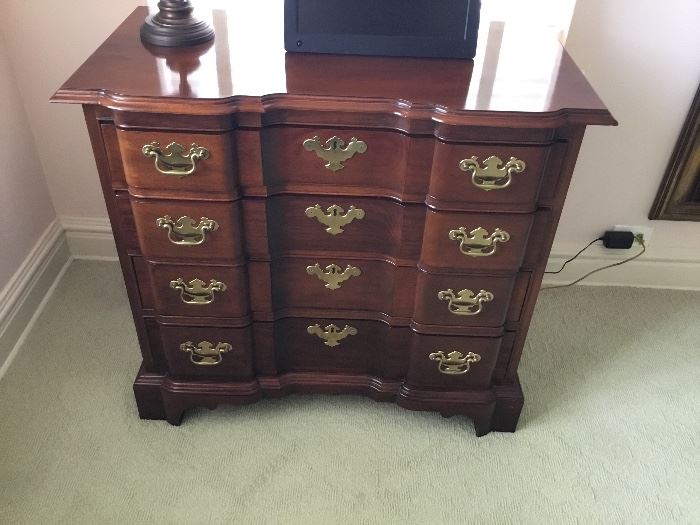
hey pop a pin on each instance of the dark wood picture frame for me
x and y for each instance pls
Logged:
(678, 198)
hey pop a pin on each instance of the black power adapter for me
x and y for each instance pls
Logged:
(618, 240)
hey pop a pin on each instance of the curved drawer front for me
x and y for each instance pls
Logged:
(342, 284)
(452, 362)
(154, 163)
(199, 291)
(372, 347)
(315, 161)
(208, 352)
(340, 345)
(174, 229)
(346, 225)
(469, 241)
(480, 176)
(462, 300)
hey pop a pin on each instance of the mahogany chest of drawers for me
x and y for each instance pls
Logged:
(331, 224)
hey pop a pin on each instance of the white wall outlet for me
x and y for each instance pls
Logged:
(647, 231)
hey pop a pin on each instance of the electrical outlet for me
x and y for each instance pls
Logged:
(646, 231)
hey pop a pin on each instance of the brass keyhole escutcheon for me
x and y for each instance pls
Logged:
(333, 275)
(334, 217)
(334, 153)
(331, 334)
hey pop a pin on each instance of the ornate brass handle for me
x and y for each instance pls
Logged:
(185, 232)
(334, 217)
(205, 353)
(478, 242)
(334, 275)
(197, 291)
(494, 175)
(454, 363)
(331, 334)
(334, 154)
(174, 160)
(465, 302)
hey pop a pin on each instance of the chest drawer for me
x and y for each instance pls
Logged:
(182, 164)
(340, 345)
(452, 362)
(487, 176)
(354, 161)
(344, 225)
(471, 241)
(463, 299)
(371, 347)
(208, 352)
(338, 284)
(178, 229)
(199, 291)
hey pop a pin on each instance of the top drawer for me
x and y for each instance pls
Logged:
(460, 176)
(480, 177)
(346, 161)
(178, 164)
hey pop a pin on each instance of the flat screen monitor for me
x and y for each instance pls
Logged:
(419, 28)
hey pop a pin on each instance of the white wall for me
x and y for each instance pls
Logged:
(46, 44)
(25, 206)
(643, 58)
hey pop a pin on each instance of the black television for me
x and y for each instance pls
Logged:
(410, 28)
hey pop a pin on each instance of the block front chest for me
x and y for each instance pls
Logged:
(329, 243)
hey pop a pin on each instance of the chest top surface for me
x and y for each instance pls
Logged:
(246, 66)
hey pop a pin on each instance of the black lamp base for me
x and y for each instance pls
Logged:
(174, 26)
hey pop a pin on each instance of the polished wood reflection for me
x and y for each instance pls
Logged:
(531, 75)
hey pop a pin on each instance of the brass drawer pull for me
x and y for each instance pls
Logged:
(466, 302)
(333, 275)
(184, 231)
(334, 217)
(197, 291)
(331, 335)
(205, 353)
(454, 363)
(334, 154)
(174, 160)
(494, 175)
(478, 242)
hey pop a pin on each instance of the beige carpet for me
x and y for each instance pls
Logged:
(610, 432)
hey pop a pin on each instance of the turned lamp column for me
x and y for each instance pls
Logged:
(174, 26)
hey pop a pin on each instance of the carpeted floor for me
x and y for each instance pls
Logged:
(610, 432)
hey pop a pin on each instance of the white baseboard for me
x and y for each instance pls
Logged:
(28, 290)
(681, 272)
(90, 238)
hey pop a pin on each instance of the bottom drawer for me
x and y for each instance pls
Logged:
(328, 346)
(453, 362)
(337, 345)
(208, 352)
(372, 347)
